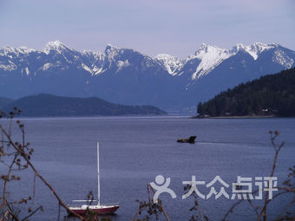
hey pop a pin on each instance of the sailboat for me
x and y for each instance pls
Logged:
(99, 209)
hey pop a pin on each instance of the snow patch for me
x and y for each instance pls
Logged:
(27, 71)
(282, 59)
(8, 67)
(122, 64)
(171, 63)
(97, 70)
(46, 66)
(86, 68)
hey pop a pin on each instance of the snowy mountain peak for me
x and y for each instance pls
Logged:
(262, 46)
(255, 49)
(210, 57)
(110, 48)
(56, 46)
(26, 50)
(111, 51)
(205, 48)
(21, 50)
(171, 63)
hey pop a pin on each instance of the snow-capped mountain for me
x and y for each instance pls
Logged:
(128, 76)
(210, 57)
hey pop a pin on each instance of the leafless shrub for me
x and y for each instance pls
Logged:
(148, 210)
(15, 156)
(288, 187)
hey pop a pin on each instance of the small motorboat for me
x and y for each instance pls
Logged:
(98, 209)
(190, 140)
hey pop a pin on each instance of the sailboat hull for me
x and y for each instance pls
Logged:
(99, 210)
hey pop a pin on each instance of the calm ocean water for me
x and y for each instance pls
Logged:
(135, 150)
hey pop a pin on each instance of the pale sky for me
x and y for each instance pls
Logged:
(177, 27)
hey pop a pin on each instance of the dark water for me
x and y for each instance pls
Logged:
(135, 150)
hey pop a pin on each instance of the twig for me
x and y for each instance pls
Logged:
(23, 154)
(32, 213)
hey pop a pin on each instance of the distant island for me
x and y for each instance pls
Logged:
(268, 96)
(46, 105)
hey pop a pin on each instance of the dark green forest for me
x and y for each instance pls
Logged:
(270, 95)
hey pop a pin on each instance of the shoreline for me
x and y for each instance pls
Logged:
(239, 117)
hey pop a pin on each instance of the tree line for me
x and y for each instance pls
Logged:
(271, 95)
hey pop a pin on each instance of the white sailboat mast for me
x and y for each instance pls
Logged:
(98, 180)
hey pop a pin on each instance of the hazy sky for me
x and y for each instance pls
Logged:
(177, 27)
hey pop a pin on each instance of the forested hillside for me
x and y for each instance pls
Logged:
(271, 95)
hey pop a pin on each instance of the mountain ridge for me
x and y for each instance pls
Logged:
(169, 61)
(130, 77)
